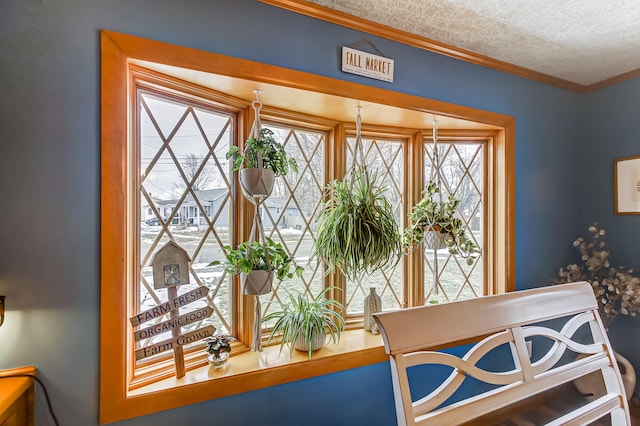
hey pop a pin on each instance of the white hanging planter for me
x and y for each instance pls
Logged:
(257, 282)
(434, 239)
(256, 182)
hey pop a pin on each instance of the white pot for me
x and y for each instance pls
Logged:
(256, 282)
(433, 239)
(256, 182)
(317, 341)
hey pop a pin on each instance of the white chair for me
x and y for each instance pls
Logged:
(413, 336)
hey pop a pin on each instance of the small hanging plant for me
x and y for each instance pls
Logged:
(432, 213)
(262, 151)
(357, 231)
(250, 256)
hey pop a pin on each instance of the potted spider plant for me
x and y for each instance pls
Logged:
(262, 159)
(304, 322)
(435, 221)
(258, 263)
(357, 231)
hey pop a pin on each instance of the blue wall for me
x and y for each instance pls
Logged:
(50, 181)
(611, 124)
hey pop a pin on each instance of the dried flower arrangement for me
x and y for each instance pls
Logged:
(617, 290)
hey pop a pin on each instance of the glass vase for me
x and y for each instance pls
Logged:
(218, 360)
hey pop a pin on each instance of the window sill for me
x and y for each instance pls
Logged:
(254, 370)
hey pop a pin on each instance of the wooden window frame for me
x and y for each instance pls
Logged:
(254, 371)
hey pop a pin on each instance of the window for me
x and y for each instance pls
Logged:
(156, 189)
(299, 196)
(187, 187)
(462, 172)
(185, 184)
(384, 155)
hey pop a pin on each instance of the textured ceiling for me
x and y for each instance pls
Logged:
(581, 41)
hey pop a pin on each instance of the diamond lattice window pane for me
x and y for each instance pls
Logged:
(289, 213)
(462, 173)
(384, 156)
(185, 197)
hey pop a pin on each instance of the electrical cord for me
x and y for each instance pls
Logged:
(44, 388)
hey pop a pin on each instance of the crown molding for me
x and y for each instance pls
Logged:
(343, 19)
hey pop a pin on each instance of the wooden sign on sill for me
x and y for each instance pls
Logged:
(169, 325)
(176, 342)
(170, 267)
(172, 305)
(174, 324)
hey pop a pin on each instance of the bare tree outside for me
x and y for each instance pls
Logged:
(461, 171)
(192, 165)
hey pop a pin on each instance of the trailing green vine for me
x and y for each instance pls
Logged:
(431, 213)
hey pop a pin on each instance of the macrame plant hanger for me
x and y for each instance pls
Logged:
(433, 237)
(358, 152)
(257, 229)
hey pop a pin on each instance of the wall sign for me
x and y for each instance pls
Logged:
(366, 64)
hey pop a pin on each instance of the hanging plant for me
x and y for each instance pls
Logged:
(261, 160)
(357, 231)
(262, 151)
(252, 256)
(432, 213)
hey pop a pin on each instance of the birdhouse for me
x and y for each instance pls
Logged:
(170, 266)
